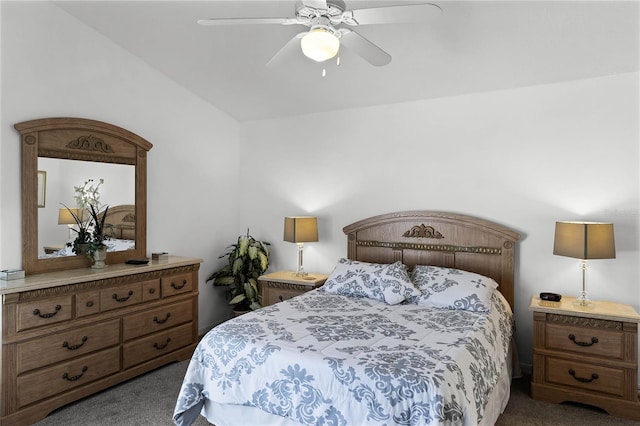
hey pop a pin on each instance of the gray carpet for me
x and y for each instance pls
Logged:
(149, 400)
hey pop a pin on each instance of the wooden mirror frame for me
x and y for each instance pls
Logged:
(84, 140)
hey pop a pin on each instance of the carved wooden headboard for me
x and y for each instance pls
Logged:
(440, 239)
(121, 222)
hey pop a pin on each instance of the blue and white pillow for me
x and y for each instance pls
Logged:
(451, 288)
(389, 283)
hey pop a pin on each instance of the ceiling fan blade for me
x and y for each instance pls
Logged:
(247, 21)
(288, 50)
(316, 4)
(363, 47)
(391, 14)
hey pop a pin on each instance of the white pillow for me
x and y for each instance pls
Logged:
(452, 288)
(389, 283)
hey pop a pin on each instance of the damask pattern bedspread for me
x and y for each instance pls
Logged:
(323, 359)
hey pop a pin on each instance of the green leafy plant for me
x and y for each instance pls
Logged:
(247, 259)
(98, 235)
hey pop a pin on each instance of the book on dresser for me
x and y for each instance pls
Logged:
(68, 334)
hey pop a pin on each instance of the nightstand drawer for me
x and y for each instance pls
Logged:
(585, 340)
(275, 295)
(584, 376)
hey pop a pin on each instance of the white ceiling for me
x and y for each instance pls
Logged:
(473, 46)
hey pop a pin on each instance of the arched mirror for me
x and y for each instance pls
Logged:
(60, 155)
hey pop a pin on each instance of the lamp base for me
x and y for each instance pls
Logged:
(300, 274)
(583, 303)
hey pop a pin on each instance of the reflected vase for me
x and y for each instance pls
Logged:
(99, 256)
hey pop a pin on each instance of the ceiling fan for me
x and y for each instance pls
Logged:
(328, 22)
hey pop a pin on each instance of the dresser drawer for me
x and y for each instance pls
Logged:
(121, 296)
(146, 348)
(51, 381)
(585, 376)
(87, 304)
(44, 312)
(157, 319)
(176, 284)
(585, 340)
(150, 290)
(67, 345)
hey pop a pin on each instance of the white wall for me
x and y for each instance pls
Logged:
(523, 158)
(54, 66)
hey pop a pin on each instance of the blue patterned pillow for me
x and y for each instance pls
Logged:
(452, 288)
(389, 283)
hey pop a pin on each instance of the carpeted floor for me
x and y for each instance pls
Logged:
(149, 400)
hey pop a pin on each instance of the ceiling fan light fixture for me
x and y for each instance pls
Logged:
(320, 44)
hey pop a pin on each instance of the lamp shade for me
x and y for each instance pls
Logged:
(584, 240)
(300, 229)
(320, 44)
(66, 218)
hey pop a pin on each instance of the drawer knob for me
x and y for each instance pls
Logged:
(49, 315)
(74, 378)
(280, 297)
(594, 340)
(74, 347)
(177, 286)
(89, 304)
(162, 321)
(161, 346)
(122, 299)
(594, 376)
(152, 290)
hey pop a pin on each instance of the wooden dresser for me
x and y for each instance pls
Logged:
(68, 334)
(586, 355)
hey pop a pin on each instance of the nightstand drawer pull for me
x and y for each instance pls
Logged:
(74, 378)
(122, 299)
(177, 286)
(594, 376)
(74, 347)
(49, 315)
(160, 346)
(573, 339)
(280, 297)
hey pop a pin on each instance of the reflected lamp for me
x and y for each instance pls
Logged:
(584, 241)
(65, 217)
(300, 230)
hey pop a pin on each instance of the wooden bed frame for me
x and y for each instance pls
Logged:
(121, 222)
(439, 239)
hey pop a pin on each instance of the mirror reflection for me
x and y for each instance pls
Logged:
(57, 227)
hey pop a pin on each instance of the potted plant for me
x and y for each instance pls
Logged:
(97, 248)
(247, 259)
(86, 195)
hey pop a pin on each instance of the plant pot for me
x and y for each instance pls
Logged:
(83, 248)
(99, 257)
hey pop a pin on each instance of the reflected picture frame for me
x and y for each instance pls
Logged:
(42, 187)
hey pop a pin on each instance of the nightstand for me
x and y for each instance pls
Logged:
(586, 355)
(282, 285)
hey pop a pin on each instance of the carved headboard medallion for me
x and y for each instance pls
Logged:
(422, 231)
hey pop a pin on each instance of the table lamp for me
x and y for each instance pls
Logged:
(584, 241)
(300, 230)
(65, 217)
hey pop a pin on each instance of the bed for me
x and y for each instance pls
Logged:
(120, 225)
(413, 327)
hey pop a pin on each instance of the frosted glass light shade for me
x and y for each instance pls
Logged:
(320, 44)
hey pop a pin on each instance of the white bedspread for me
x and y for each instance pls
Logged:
(323, 359)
